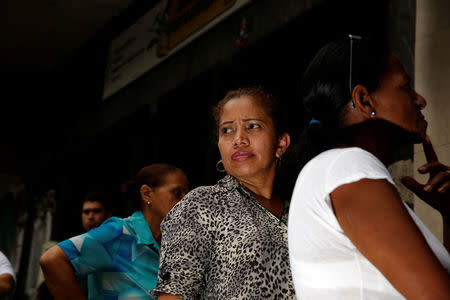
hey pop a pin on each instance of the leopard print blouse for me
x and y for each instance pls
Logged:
(218, 242)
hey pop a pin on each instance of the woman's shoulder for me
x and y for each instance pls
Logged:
(108, 230)
(210, 192)
(352, 157)
(203, 192)
(199, 195)
(114, 222)
(205, 199)
(355, 158)
(344, 165)
(345, 153)
(199, 199)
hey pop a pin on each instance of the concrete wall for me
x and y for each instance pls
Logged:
(432, 78)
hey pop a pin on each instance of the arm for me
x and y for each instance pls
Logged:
(7, 277)
(7, 284)
(374, 218)
(59, 275)
(164, 296)
(186, 241)
(436, 191)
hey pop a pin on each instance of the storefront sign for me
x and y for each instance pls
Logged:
(164, 30)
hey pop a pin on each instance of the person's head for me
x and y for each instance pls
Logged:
(161, 186)
(375, 87)
(94, 211)
(250, 132)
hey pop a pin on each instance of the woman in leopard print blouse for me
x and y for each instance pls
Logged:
(229, 240)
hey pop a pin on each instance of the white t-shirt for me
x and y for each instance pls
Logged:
(324, 262)
(5, 266)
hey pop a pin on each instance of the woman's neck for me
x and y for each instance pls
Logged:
(378, 137)
(261, 185)
(261, 188)
(154, 223)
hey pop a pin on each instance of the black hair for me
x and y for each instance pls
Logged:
(326, 89)
(154, 176)
(268, 102)
(286, 171)
(101, 197)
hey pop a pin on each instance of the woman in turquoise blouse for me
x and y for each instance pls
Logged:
(121, 257)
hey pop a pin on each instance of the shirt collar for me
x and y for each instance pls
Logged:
(231, 183)
(143, 233)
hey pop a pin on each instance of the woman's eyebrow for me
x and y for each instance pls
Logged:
(253, 119)
(244, 120)
(226, 122)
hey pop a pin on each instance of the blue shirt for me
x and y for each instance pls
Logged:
(120, 257)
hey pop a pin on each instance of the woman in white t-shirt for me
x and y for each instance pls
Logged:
(350, 235)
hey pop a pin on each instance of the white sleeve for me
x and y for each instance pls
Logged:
(356, 164)
(353, 165)
(6, 267)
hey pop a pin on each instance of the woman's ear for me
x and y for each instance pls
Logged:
(283, 143)
(362, 101)
(146, 193)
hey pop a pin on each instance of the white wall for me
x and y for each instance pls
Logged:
(432, 80)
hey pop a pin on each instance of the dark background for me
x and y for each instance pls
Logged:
(56, 131)
(41, 111)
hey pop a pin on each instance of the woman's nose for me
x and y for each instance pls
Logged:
(421, 102)
(240, 138)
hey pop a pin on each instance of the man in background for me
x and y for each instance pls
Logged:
(94, 211)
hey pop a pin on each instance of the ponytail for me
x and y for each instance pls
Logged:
(325, 90)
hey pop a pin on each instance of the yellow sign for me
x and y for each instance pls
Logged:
(161, 32)
(187, 16)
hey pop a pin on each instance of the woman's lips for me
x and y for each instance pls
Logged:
(241, 155)
(422, 118)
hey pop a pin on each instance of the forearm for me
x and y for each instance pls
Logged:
(59, 275)
(6, 284)
(164, 296)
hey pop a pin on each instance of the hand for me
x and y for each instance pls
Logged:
(436, 192)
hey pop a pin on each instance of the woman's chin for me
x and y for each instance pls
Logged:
(415, 137)
(411, 135)
(422, 133)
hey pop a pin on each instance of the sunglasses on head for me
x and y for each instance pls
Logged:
(353, 39)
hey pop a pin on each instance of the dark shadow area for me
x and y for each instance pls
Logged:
(40, 112)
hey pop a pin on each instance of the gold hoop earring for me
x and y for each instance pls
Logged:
(218, 166)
